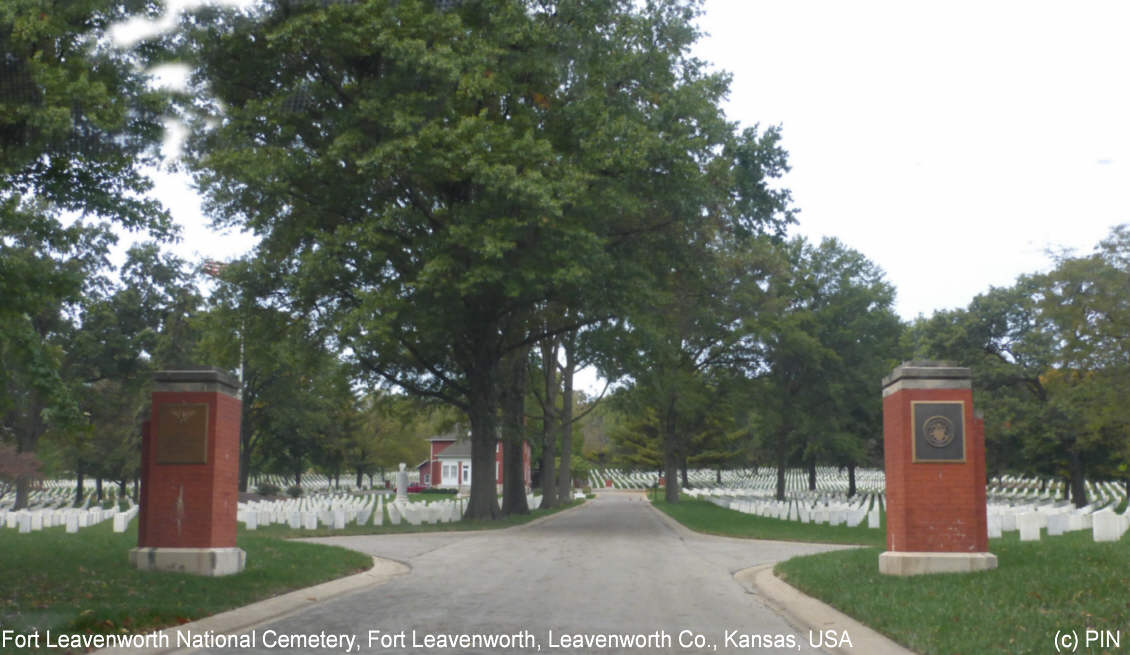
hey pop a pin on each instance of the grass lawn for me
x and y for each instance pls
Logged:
(1066, 583)
(83, 583)
(705, 516)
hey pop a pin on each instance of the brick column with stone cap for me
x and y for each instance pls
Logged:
(934, 449)
(190, 475)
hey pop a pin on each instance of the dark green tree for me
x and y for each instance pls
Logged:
(425, 179)
(78, 125)
(827, 350)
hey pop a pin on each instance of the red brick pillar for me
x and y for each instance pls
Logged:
(190, 475)
(934, 449)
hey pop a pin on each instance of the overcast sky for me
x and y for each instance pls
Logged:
(952, 143)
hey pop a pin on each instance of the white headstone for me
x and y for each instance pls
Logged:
(1108, 526)
(1057, 524)
(1029, 524)
(994, 526)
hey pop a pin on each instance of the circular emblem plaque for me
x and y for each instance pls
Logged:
(939, 431)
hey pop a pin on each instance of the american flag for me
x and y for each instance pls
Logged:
(213, 267)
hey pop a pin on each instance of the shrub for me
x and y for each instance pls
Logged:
(268, 489)
(294, 491)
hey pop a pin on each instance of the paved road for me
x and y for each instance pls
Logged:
(610, 568)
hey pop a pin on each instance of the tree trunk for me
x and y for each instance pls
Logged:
(851, 480)
(360, 478)
(122, 490)
(812, 475)
(80, 491)
(482, 407)
(244, 444)
(26, 442)
(98, 487)
(515, 377)
(564, 476)
(683, 471)
(298, 478)
(549, 424)
(718, 477)
(671, 475)
(670, 454)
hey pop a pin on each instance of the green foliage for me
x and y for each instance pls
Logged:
(268, 489)
(1049, 360)
(77, 120)
(826, 352)
(429, 179)
(78, 124)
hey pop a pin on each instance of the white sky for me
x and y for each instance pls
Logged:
(952, 143)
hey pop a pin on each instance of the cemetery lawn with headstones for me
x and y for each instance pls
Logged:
(283, 531)
(704, 516)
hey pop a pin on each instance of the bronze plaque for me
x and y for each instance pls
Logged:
(938, 431)
(182, 433)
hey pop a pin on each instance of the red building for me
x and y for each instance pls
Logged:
(449, 463)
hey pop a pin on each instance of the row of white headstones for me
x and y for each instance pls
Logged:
(45, 513)
(333, 511)
(828, 479)
(1002, 514)
(807, 507)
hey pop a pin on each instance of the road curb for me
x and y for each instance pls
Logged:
(808, 613)
(244, 618)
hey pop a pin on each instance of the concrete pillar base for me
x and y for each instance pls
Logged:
(899, 563)
(197, 561)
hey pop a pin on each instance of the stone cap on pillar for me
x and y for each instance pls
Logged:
(197, 378)
(926, 374)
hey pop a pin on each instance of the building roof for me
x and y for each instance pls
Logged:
(459, 450)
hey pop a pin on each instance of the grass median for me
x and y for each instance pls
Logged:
(83, 583)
